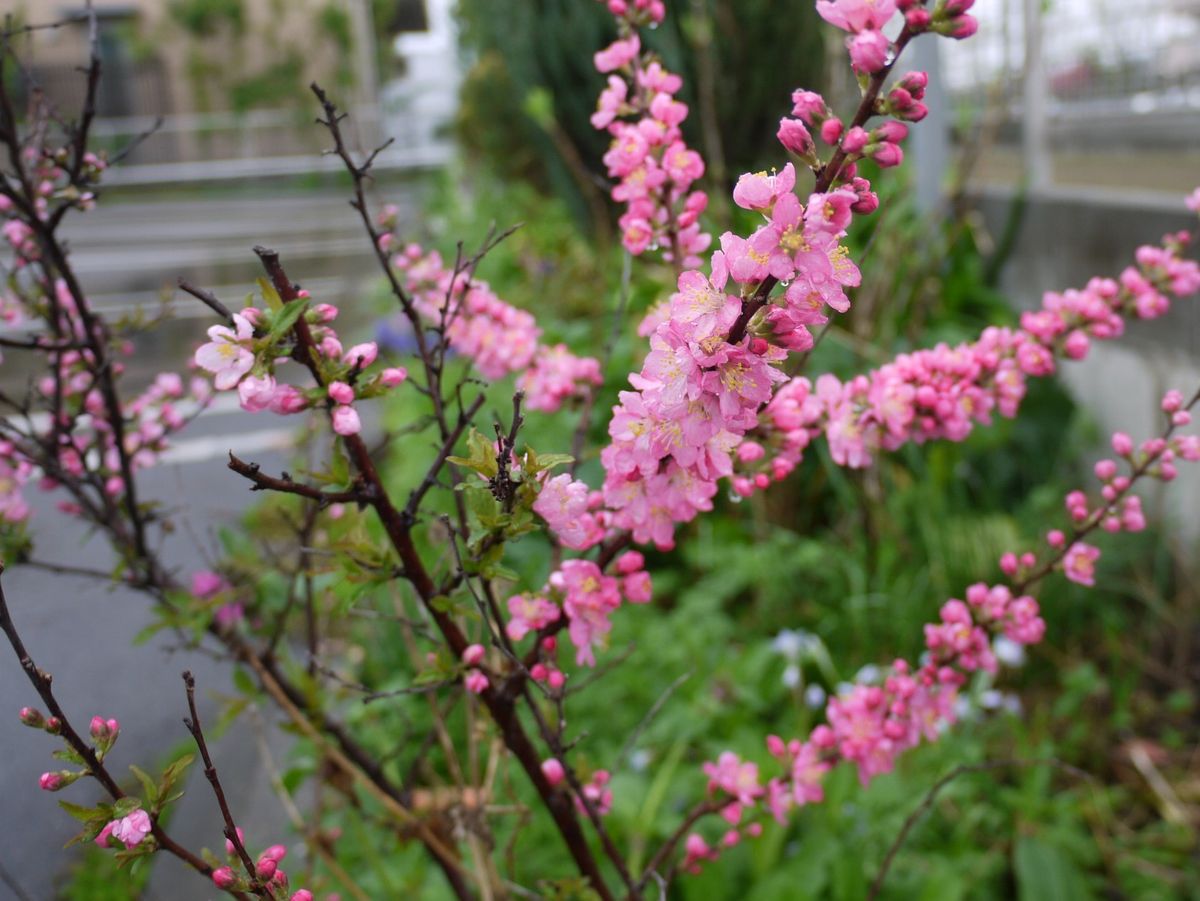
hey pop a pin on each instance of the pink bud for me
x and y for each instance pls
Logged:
(630, 562)
(341, 393)
(393, 376)
(302, 895)
(1122, 444)
(53, 725)
(1008, 564)
(346, 421)
(891, 131)
(51, 782)
(476, 682)
(275, 852)
(831, 130)
(1181, 418)
(223, 877)
(794, 136)
(856, 139)
(886, 155)
(917, 19)
(362, 355)
(265, 868)
(1055, 538)
(1105, 470)
(556, 679)
(553, 771)
(473, 654)
(32, 717)
(549, 644)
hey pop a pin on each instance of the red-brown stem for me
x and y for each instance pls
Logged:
(210, 773)
(500, 704)
(825, 179)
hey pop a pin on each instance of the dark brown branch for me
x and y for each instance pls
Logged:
(285, 485)
(825, 179)
(42, 683)
(668, 847)
(210, 773)
(398, 528)
(207, 298)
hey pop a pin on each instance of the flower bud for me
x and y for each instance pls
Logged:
(52, 782)
(553, 770)
(265, 868)
(795, 137)
(473, 655)
(856, 139)
(223, 877)
(32, 717)
(302, 895)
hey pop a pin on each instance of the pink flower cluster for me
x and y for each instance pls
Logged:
(1116, 509)
(654, 168)
(698, 395)
(496, 336)
(870, 725)
(246, 357)
(587, 596)
(83, 436)
(943, 392)
(49, 181)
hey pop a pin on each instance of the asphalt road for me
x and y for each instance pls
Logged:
(128, 254)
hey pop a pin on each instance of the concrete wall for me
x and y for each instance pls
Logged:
(1068, 236)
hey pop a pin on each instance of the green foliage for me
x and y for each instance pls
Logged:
(529, 50)
(860, 561)
(205, 18)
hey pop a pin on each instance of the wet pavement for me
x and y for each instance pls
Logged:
(129, 255)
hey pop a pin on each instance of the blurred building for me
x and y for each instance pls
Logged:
(228, 77)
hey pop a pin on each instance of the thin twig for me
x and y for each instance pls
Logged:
(210, 773)
(935, 790)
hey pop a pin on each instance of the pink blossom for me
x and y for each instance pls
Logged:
(617, 54)
(131, 829)
(346, 421)
(856, 15)
(529, 613)
(1079, 563)
(227, 354)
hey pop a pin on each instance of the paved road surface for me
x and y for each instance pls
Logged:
(80, 630)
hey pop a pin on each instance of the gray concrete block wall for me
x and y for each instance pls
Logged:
(1066, 237)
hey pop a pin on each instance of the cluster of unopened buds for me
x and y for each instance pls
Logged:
(655, 168)
(267, 872)
(50, 180)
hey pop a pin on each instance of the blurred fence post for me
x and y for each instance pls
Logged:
(1035, 151)
(930, 143)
